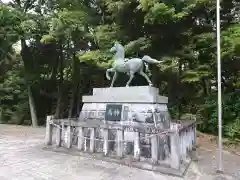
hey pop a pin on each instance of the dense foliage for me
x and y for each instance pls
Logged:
(64, 52)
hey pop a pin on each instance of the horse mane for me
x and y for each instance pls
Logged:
(120, 45)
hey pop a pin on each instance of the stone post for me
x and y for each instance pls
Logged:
(80, 138)
(190, 138)
(92, 139)
(184, 145)
(137, 146)
(85, 143)
(69, 136)
(154, 149)
(105, 142)
(120, 138)
(195, 136)
(187, 140)
(63, 133)
(180, 144)
(49, 131)
(161, 151)
(175, 150)
(58, 135)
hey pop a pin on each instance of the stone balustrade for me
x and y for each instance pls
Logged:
(175, 143)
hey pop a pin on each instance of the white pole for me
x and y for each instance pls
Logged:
(219, 88)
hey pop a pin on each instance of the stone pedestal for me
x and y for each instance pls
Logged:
(140, 104)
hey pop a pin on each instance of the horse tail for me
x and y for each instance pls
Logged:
(107, 74)
(150, 60)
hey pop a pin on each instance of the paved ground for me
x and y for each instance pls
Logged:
(21, 158)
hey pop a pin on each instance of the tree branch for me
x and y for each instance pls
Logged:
(28, 5)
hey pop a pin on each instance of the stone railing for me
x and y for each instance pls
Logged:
(186, 140)
(152, 148)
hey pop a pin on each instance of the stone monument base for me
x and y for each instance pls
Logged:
(139, 104)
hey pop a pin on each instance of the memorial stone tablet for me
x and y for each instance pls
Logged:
(113, 112)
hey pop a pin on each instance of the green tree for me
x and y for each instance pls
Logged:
(65, 52)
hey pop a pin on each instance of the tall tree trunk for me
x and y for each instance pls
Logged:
(179, 89)
(26, 60)
(54, 70)
(206, 87)
(79, 98)
(1, 115)
(32, 107)
(73, 100)
(74, 85)
(60, 86)
(58, 107)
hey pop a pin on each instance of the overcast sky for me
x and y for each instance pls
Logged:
(5, 1)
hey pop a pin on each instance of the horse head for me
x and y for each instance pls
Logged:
(117, 47)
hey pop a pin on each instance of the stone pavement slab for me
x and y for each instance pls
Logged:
(22, 158)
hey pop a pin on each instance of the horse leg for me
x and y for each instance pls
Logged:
(107, 73)
(114, 78)
(146, 77)
(130, 79)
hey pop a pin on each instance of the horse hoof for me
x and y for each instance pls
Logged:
(150, 84)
